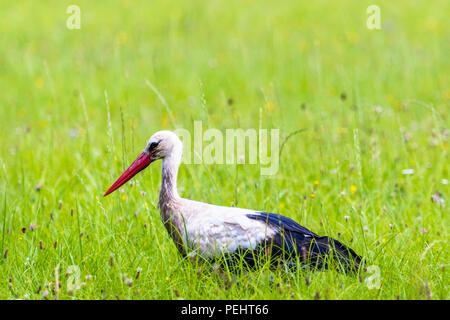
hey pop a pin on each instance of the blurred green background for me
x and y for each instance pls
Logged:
(76, 108)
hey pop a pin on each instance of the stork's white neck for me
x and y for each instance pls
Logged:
(169, 198)
(169, 171)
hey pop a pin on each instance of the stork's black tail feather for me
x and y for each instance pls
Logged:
(324, 251)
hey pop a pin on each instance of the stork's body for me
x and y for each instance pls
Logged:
(216, 231)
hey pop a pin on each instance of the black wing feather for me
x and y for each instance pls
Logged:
(281, 221)
(299, 240)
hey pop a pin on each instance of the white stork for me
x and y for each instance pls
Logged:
(213, 231)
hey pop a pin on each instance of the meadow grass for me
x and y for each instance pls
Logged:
(78, 106)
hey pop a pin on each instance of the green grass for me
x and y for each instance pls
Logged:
(59, 131)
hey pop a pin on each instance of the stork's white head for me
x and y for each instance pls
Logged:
(161, 145)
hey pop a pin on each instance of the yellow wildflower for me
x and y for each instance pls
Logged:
(122, 38)
(303, 46)
(269, 106)
(447, 94)
(39, 83)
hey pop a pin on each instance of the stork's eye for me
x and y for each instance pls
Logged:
(153, 145)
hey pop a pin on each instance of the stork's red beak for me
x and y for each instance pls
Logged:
(138, 165)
